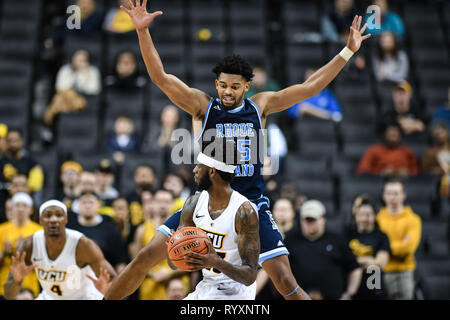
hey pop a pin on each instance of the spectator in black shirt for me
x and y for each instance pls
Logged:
(371, 247)
(105, 176)
(334, 24)
(144, 179)
(101, 229)
(16, 160)
(321, 261)
(122, 219)
(91, 17)
(126, 74)
(70, 179)
(404, 111)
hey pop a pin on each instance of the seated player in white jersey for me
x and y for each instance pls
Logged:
(63, 259)
(231, 221)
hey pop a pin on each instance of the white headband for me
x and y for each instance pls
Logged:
(51, 203)
(22, 197)
(213, 163)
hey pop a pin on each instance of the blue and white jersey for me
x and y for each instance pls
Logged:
(239, 136)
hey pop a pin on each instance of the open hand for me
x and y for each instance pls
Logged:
(139, 16)
(102, 283)
(355, 37)
(19, 269)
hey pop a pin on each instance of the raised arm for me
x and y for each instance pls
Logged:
(247, 228)
(20, 268)
(153, 253)
(191, 100)
(89, 253)
(129, 280)
(271, 102)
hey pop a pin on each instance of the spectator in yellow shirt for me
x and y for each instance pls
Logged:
(403, 228)
(11, 233)
(3, 132)
(118, 21)
(157, 210)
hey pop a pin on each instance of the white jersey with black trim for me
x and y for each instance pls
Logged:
(222, 232)
(62, 279)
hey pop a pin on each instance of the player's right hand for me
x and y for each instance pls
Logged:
(102, 283)
(139, 16)
(19, 269)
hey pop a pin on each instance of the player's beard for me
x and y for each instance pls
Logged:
(237, 102)
(54, 232)
(205, 182)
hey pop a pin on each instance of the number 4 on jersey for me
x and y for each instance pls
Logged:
(56, 289)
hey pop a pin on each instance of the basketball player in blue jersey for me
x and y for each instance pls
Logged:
(228, 114)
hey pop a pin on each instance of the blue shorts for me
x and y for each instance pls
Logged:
(272, 244)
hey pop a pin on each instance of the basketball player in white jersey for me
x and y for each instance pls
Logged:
(63, 259)
(231, 221)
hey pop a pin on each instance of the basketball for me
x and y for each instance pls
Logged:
(184, 240)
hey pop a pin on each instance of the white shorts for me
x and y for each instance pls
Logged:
(222, 291)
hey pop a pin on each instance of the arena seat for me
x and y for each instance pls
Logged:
(342, 165)
(436, 287)
(158, 100)
(307, 166)
(207, 15)
(130, 102)
(350, 187)
(76, 132)
(256, 55)
(204, 57)
(248, 22)
(300, 17)
(170, 26)
(299, 58)
(49, 162)
(435, 242)
(173, 56)
(357, 137)
(318, 137)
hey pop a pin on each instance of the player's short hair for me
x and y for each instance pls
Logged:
(226, 176)
(234, 64)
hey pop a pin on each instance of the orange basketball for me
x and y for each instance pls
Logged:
(184, 240)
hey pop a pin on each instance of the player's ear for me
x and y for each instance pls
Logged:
(247, 86)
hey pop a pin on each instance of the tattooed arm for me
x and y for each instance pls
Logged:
(186, 217)
(21, 266)
(247, 228)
